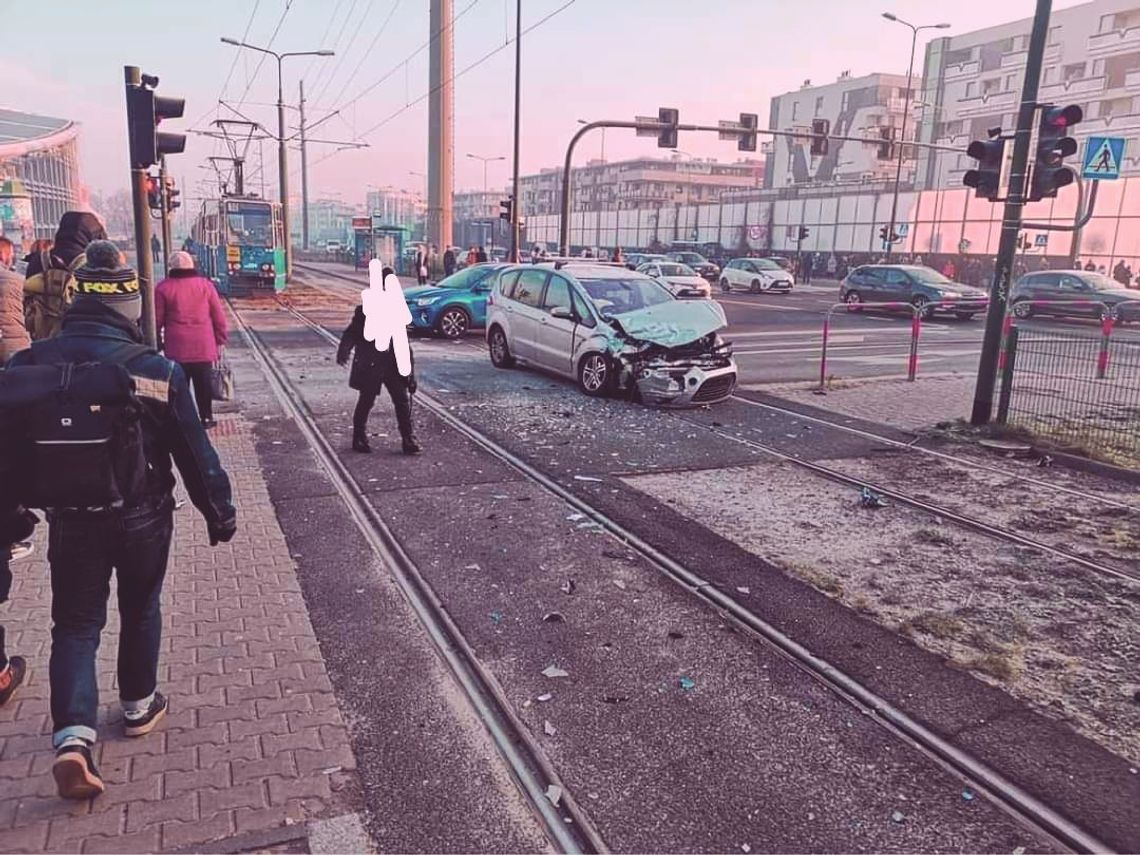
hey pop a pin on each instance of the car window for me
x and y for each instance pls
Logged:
(507, 283)
(557, 294)
(895, 277)
(1071, 284)
(748, 267)
(927, 276)
(585, 316)
(616, 296)
(464, 278)
(1046, 280)
(528, 291)
(767, 264)
(872, 275)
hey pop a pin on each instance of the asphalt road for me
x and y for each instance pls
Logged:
(778, 337)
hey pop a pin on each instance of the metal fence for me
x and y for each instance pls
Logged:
(1078, 389)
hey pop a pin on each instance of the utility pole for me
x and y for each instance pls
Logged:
(516, 196)
(165, 208)
(304, 173)
(1011, 219)
(441, 114)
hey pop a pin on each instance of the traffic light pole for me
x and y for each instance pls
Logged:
(1011, 219)
(141, 207)
(516, 196)
(164, 193)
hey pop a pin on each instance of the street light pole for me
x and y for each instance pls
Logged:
(282, 152)
(906, 113)
(487, 160)
(602, 156)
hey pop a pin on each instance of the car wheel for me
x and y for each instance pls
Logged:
(854, 301)
(453, 323)
(724, 286)
(1022, 310)
(500, 350)
(964, 316)
(922, 304)
(595, 377)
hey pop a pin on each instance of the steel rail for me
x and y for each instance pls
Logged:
(565, 824)
(1021, 804)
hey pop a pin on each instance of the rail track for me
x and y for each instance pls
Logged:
(1030, 810)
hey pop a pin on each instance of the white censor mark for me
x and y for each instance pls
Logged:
(386, 315)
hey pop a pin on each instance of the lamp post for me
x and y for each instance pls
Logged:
(602, 156)
(906, 111)
(485, 161)
(282, 157)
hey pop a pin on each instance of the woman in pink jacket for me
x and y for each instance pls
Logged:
(191, 326)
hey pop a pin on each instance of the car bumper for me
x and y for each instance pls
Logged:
(423, 317)
(685, 386)
(956, 307)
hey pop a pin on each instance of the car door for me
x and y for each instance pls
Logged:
(896, 286)
(744, 273)
(554, 347)
(480, 288)
(527, 311)
(1072, 288)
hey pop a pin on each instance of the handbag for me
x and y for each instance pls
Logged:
(221, 380)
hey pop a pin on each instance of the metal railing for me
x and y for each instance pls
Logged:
(1074, 388)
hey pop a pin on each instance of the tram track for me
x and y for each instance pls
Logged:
(1030, 810)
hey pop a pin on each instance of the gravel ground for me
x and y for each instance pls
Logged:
(1045, 630)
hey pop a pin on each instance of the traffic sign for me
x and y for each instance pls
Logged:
(902, 229)
(648, 120)
(729, 130)
(1041, 240)
(1103, 158)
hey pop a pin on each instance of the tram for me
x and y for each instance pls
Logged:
(238, 241)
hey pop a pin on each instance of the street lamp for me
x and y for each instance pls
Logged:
(282, 161)
(487, 160)
(906, 110)
(602, 157)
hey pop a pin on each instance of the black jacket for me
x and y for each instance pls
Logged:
(76, 230)
(92, 332)
(370, 367)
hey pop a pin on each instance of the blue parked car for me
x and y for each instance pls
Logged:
(455, 304)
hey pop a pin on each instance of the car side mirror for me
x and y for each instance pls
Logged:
(562, 312)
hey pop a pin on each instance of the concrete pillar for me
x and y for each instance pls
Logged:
(441, 134)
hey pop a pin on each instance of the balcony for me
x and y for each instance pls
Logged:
(1132, 80)
(1114, 41)
(1072, 88)
(1014, 60)
(982, 105)
(961, 71)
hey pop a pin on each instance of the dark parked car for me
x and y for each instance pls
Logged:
(705, 268)
(1072, 287)
(922, 287)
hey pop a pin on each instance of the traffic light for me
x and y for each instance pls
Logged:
(804, 232)
(886, 144)
(986, 179)
(667, 136)
(885, 234)
(819, 131)
(153, 193)
(1053, 145)
(506, 205)
(172, 193)
(747, 140)
(145, 111)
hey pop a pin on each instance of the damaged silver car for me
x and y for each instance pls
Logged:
(612, 330)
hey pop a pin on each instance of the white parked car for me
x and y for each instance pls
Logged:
(682, 280)
(755, 275)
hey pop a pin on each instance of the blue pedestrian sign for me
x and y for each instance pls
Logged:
(1103, 158)
(1041, 240)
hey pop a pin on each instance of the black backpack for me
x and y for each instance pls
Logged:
(73, 433)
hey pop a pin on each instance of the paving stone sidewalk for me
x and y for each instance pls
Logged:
(254, 745)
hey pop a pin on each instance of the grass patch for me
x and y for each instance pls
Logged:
(937, 624)
(933, 537)
(818, 579)
(1005, 666)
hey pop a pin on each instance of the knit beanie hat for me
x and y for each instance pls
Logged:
(105, 277)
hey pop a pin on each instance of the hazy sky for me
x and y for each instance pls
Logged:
(596, 59)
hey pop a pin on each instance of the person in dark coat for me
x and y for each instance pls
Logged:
(481, 256)
(76, 230)
(371, 371)
(449, 262)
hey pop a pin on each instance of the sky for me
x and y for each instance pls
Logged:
(594, 59)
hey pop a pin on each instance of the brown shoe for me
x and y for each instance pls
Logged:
(75, 774)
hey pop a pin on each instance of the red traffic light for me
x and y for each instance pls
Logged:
(1062, 117)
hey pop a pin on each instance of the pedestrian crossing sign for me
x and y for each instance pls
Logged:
(1103, 158)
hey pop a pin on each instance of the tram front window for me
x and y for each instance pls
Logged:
(251, 226)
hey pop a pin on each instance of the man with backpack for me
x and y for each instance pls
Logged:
(50, 279)
(90, 423)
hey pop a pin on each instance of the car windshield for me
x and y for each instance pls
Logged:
(766, 264)
(928, 277)
(1100, 282)
(618, 296)
(690, 258)
(677, 270)
(250, 225)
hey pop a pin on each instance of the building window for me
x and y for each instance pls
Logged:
(970, 89)
(819, 105)
(1075, 71)
(1010, 82)
(1050, 74)
(795, 110)
(991, 86)
(846, 101)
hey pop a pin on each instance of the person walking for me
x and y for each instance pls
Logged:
(618, 258)
(191, 326)
(13, 334)
(16, 524)
(472, 256)
(449, 261)
(421, 265)
(1090, 266)
(373, 370)
(155, 249)
(806, 268)
(130, 538)
(481, 256)
(49, 280)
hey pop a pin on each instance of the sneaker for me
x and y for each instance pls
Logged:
(209, 423)
(12, 677)
(75, 774)
(360, 443)
(412, 446)
(144, 724)
(21, 550)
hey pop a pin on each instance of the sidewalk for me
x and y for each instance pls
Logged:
(254, 746)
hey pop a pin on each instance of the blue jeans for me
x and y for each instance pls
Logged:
(83, 549)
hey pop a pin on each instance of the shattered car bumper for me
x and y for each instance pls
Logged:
(679, 385)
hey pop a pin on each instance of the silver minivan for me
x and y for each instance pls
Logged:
(610, 329)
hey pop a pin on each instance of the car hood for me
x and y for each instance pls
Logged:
(672, 324)
(695, 281)
(961, 288)
(430, 291)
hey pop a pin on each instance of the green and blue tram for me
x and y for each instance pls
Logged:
(239, 243)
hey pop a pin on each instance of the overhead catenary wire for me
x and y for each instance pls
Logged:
(272, 37)
(342, 55)
(366, 54)
(336, 43)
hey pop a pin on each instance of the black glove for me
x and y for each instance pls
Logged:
(222, 533)
(412, 384)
